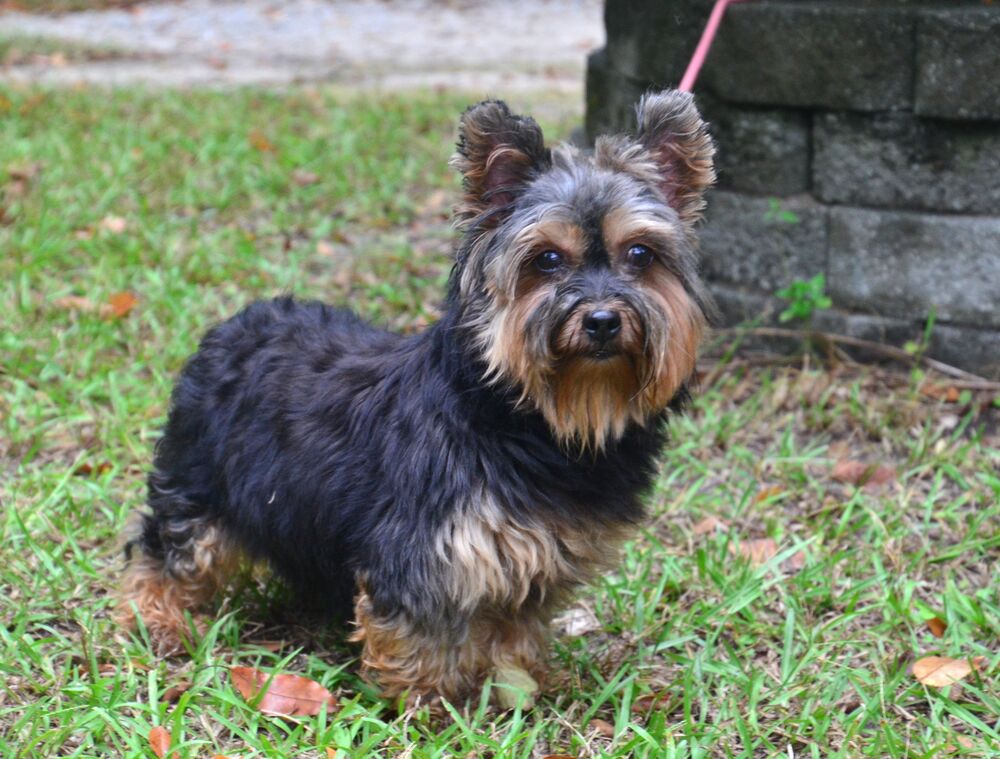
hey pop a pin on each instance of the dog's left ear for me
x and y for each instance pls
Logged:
(498, 153)
(672, 130)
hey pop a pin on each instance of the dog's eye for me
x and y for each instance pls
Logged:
(548, 261)
(639, 256)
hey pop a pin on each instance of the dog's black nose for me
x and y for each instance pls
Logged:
(601, 326)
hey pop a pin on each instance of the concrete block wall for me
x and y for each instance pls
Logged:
(875, 122)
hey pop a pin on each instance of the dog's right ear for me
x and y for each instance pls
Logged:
(498, 153)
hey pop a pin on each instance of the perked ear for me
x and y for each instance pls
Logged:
(672, 130)
(498, 153)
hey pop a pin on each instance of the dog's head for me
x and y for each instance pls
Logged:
(577, 276)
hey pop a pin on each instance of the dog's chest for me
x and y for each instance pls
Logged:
(491, 556)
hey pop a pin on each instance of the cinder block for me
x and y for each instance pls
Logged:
(763, 151)
(763, 243)
(958, 63)
(652, 40)
(611, 98)
(814, 55)
(898, 160)
(905, 264)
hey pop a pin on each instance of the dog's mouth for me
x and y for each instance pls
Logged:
(603, 354)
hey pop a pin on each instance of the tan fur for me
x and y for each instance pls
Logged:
(588, 402)
(161, 597)
(510, 576)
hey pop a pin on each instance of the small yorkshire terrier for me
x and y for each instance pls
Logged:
(451, 488)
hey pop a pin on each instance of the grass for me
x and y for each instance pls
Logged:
(196, 203)
(26, 49)
(66, 6)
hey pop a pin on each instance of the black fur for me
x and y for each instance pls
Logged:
(462, 481)
(331, 448)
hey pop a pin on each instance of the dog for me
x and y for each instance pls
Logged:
(448, 491)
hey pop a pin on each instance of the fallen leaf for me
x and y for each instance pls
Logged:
(304, 178)
(758, 550)
(941, 671)
(20, 178)
(75, 303)
(937, 626)
(578, 621)
(107, 669)
(963, 742)
(647, 701)
(173, 694)
(114, 224)
(119, 305)
(515, 685)
(332, 753)
(270, 645)
(260, 142)
(159, 741)
(286, 695)
(860, 474)
(766, 493)
(86, 468)
(794, 563)
(24, 172)
(709, 524)
(946, 393)
(604, 727)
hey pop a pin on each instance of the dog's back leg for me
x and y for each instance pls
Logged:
(177, 559)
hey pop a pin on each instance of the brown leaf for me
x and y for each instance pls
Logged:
(173, 694)
(604, 727)
(766, 493)
(963, 741)
(941, 671)
(75, 303)
(24, 172)
(860, 474)
(86, 468)
(946, 393)
(270, 645)
(937, 626)
(709, 524)
(119, 305)
(159, 741)
(260, 142)
(287, 695)
(758, 551)
(794, 563)
(648, 701)
(114, 224)
(304, 178)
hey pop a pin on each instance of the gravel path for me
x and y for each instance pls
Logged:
(477, 45)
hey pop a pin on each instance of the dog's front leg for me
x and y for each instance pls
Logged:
(425, 660)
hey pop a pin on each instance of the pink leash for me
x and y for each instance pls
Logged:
(701, 52)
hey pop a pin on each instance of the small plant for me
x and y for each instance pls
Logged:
(775, 212)
(805, 297)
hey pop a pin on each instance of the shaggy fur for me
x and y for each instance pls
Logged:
(448, 491)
